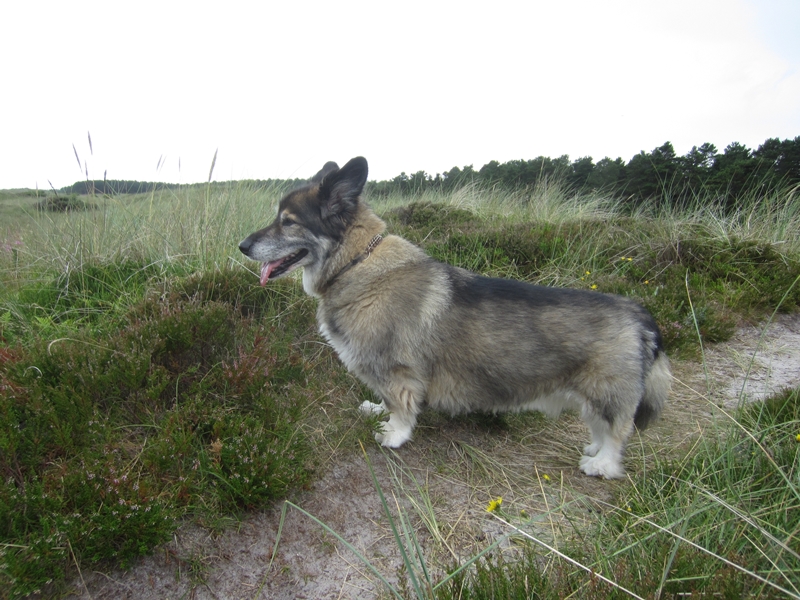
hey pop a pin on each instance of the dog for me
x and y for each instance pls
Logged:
(423, 333)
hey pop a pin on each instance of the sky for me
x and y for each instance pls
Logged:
(276, 89)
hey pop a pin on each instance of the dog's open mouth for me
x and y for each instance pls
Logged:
(276, 268)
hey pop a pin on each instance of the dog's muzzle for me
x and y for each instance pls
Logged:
(245, 245)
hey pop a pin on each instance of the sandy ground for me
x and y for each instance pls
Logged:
(457, 467)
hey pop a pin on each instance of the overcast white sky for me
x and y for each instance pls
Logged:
(281, 87)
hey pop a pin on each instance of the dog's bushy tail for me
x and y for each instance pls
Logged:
(656, 390)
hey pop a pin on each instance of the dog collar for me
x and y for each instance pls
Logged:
(372, 245)
(363, 256)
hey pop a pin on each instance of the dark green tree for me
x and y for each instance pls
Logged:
(607, 175)
(734, 172)
(653, 175)
(782, 158)
(696, 168)
(580, 171)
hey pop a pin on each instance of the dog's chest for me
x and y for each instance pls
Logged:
(342, 343)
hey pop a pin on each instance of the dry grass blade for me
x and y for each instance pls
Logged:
(78, 158)
(78, 567)
(213, 162)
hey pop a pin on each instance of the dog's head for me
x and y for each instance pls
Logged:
(311, 220)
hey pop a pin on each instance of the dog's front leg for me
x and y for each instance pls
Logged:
(403, 400)
(394, 432)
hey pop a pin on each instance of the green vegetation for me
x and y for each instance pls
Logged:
(146, 378)
(181, 403)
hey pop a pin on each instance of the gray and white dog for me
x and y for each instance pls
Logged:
(419, 332)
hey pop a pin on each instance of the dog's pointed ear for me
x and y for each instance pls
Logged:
(327, 169)
(340, 189)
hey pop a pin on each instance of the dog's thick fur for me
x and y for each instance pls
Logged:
(420, 332)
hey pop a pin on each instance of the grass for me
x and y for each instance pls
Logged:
(724, 519)
(146, 379)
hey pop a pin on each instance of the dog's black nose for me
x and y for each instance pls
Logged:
(244, 246)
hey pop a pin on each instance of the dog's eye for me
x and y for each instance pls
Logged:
(286, 221)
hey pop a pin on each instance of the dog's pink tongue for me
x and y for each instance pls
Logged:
(266, 269)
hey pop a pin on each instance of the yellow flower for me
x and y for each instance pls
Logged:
(797, 437)
(546, 477)
(588, 272)
(594, 286)
(494, 504)
(629, 259)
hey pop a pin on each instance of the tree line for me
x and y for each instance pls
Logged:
(661, 174)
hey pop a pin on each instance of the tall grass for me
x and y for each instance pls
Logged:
(142, 363)
(188, 225)
(200, 226)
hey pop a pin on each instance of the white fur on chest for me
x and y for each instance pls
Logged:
(346, 352)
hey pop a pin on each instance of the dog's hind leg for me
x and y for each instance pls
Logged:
(603, 457)
(403, 401)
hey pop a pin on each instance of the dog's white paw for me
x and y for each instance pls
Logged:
(602, 467)
(371, 408)
(392, 438)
